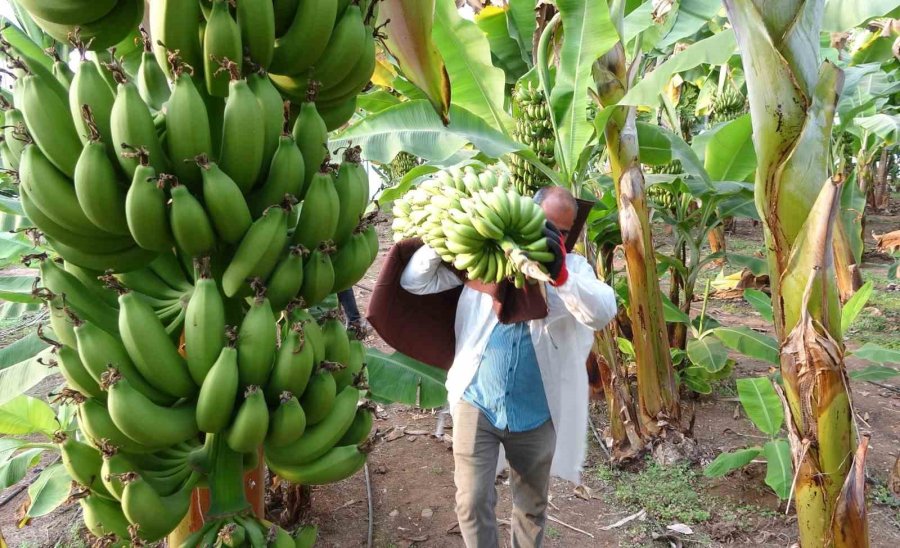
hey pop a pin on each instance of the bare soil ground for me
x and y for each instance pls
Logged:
(411, 476)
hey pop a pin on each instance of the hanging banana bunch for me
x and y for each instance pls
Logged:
(195, 216)
(535, 129)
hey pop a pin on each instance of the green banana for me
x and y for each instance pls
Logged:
(355, 363)
(319, 397)
(97, 425)
(312, 332)
(100, 34)
(356, 79)
(148, 283)
(218, 393)
(258, 252)
(349, 191)
(318, 276)
(321, 437)
(114, 464)
(145, 422)
(345, 43)
(371, 237)
(284, 15)
(82, 462)
(145, 211)
(204, 329)
(50, 123)
(350, 262)
(256, 19)
(90, 88)
(292, 87)
(288, 422)
(187, 127)
(248, 431)
(287, 278)
(256, 342)
(15, 132)
(338, 114)
(151, 349)
(337, 344)
(151, 79)
(76, 375)
(273, 110)
(360, 429)
(285, 176)
(91, 280)
(303, 43)
(69, 12)
(243, 135)
(311, 136)
(174, 24)
(337, 464)
(225, 203)
(154, 516)
(78, 297)
(104, 517)
(191, 226)
(117, 261)
(319, 211)
(305, 537)
(293, 365)
(97, 186)
(168, 268)
(132, 124)
(221, 41)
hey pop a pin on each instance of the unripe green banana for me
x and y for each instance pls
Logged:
(105, 32)
(97, 425)
(146, 282)
(151, 80)
(318, 277)
(319, 212)
(15, 133)
(145, 211)
(78, 297)
(114, 464)
(221, 40)
(347, 40)
(191, 227)
(132, 124)
(155, 516)
(357, 77)
(76, 375)
(145, 422)
(187, 128)
(273, 110)
(285, 176)
(287, 278)
(279, 538)
(352, 203)
(321, 437)
(288, 422)
(151, 349)
(123, 260)
(337, 464)
(91, 280)
(82, 462)
(104, 517)
(174, 25)
(258, 252)
(303, 42)
(312, 332)
(256, 19)
(204, 328)
(337, 344)
(284, 15)
(169, 269)
(97, 187)
(361, 428)
(371, 237)
(355, 363)
(77, 12)
(256, 342)
(293, 365)
(311, 136)
(90, 88)
(248, 431)
(50, 123)
(337, 114)
(319, 397)
(225, 202)
(218, 393)
(305, 537)
(350, 263)
(243, 135)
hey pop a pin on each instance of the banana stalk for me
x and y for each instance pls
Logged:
(792, 102)
(657, 392)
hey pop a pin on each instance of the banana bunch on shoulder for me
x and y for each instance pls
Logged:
(474, 223)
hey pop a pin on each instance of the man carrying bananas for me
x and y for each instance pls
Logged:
(518, 382)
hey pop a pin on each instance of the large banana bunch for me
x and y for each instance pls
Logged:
(474, 223)
(728, 104)
(402, 163)
(535, 129)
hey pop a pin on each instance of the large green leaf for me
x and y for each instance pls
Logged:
(729, 153)
(779, 474)
(692, 15)
(408, 27)
(11, 206)
(413, 176)
(49, 490)
(17, 289)
(413, 127)
(841, 15)
(727, 462)
(854, 306)
(636, 22)
(27, 415)
(25, 348)
(885, 126)
(708, 353)
(661, 137)
(874, 373)
(749, 343)
(760, 302)
(713, 50)
(376, 101)
(16, 379)
(761, 403)
(401, 379)
(522, 25)
(877, 354)
(13, 470)
(588, 34)
(505, 50)
(477, 85)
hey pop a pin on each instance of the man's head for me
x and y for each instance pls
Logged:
(559, 206)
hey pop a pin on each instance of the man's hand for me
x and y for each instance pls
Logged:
(556, 245)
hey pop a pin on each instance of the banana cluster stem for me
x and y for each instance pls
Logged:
(526, 266)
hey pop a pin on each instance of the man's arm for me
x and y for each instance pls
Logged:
(426, 274)
(589, 300)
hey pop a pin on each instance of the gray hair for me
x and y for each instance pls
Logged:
(552, 191)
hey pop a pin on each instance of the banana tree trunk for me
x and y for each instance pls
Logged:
(658, 403)
(717, 242)
(792, 101)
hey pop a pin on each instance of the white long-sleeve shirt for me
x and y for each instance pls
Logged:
(561, 341)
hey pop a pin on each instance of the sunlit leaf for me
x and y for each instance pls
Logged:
(841, 15)
(729, 153)
(749, 343)
(761, 403)
(49, 490)
(522, 25)
(708, 353)
(25, 348)
(692, 15)
(505, 50)
(760, 302)
(877, 354)
(376, 101)
(885, 126)
(779, 474)
(413, 176)
(854, 306)
(728, 462)
(398, 378)
(16, 379)
(13, 470)
(27, 415)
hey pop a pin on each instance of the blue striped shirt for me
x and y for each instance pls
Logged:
(507, 386)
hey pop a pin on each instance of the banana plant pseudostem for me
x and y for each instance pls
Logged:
(792, 102)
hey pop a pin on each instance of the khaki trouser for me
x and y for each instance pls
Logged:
(476, 448)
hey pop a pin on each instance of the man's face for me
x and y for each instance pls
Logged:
(560, 213)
